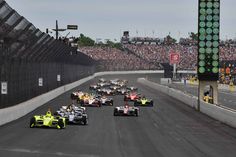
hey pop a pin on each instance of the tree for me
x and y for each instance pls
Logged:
(113, 45)
(193, 36)
(85, 41)
(169, 40)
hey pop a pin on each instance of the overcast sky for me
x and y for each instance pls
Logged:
(107, 19)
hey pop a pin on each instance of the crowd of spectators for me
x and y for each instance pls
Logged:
(188, 53)
(115, 59)
(160, 54)
(150, 56)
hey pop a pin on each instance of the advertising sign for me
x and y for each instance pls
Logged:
(174, 58)
(4, 88)
(40, 82)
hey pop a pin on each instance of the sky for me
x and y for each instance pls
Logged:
(107, 19)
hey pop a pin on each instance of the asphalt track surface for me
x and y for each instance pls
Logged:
(169, 129)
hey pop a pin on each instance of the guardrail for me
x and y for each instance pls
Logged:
(225, 115)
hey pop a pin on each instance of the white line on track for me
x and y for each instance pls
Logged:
(20, 150)
(155, 124)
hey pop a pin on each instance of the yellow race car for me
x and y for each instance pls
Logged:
(48, 120)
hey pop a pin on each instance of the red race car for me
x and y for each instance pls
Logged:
(132, 96)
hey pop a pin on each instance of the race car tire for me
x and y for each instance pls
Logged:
(99, 105)
(151, 103)
(85, 121)
(32, 122)
(136, 113)
(67, 121)
(72, 96)
(111, 103)
(115, 112)
(81, 103)
(78, 101)
(61, 124)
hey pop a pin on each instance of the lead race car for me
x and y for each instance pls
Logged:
(48, 120)
(73, 114)
(126, 110)
(143, 102)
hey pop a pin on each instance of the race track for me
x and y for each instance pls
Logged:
(169, 129)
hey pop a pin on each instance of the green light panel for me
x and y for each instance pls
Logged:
(208, 39)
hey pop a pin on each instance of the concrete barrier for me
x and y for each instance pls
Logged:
(12, 113)
(223, 114)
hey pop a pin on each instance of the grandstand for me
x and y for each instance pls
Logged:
(28, 55)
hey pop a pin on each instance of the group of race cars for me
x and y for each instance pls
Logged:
(100, 95)
(71, 114)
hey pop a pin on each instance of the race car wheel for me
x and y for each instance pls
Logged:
(72, 96)
(151, 103)
(32, 122)
(61, 124)
(136, 113)
(81, 103)
(115, 112)
(111, 103)
(99, 105)
(85, 121)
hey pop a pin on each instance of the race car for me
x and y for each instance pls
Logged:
(76, 95)
(132, 88)
(122, 91)
(106, 91)
(132, 96)
(70, 108)
(85, 96)
(121, 84)
(93, 87)
(103, 84)
(106, 101)
(48, 120)
(102, 80)
(114, 87)
(92, 101)
(73, 114)
(143, 102)
(126, 111)
(114, 81)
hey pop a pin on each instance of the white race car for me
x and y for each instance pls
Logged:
(73, 114)
(106, 101)
(126, 111)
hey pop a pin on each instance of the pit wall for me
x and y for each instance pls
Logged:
(222, 114)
